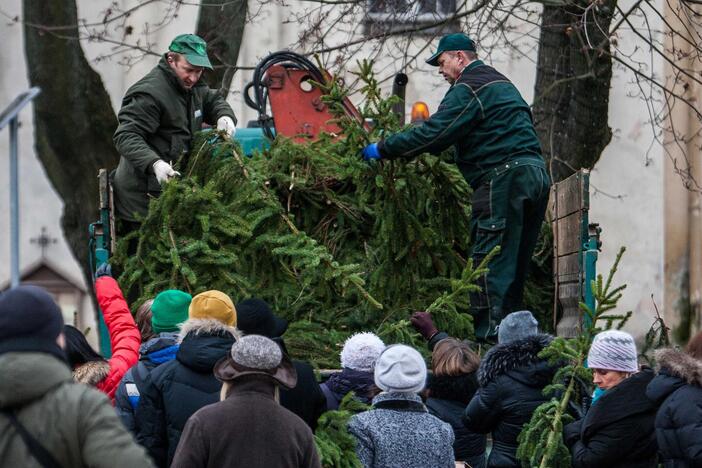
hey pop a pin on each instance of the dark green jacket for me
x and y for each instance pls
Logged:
(158, 119)
(74, 422)
(483, 116)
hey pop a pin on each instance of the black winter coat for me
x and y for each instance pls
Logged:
(677, 389)
(448, 397)
(305, 399)
(617, 431)
(511, 378)
(177, 389)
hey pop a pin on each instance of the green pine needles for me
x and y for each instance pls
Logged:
(329, 240)
(336, 447)
(541, 442)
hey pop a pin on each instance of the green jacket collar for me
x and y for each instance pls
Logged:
(472, 65)
(27, 376)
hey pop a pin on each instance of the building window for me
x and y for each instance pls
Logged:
(392, 15)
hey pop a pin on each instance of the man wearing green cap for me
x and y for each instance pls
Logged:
(159, 116)
(497, 150)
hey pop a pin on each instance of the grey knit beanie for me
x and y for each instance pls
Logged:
(516, 326)
(400, 368)
(613, 350)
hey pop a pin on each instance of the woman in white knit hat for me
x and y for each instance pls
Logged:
(358, 357)
(399, 431)
(618, 430)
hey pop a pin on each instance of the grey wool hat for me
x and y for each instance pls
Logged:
(516, 326)
(400, 368)
(256, 355)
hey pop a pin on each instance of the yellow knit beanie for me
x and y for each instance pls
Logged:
(213, 305)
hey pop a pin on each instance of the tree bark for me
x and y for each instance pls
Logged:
(221, 23)
(73, 118)
(574, 72)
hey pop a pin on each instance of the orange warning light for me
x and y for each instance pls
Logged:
(420, 112)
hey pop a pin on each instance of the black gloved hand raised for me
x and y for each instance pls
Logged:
(424, 324)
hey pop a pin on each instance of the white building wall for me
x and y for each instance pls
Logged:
(627, 191)
(632, 217)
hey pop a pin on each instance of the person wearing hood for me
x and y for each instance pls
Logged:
(398, 430)
(159, 117)
(677, 390)
(177, 389)
(47, 419)
(617, 431)
(358, 357)
(164, 315)
(452, 385)
(88, 366)
(511, 379)
(248, 428)
(305, 399)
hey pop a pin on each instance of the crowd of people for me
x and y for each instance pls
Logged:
(204, 382)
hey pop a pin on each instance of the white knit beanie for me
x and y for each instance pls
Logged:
(361, 351)
(613, 350)
(400, 369)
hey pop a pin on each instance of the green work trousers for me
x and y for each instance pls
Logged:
(508, 210)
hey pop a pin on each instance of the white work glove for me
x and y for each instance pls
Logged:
(226, 124)
(163, 171)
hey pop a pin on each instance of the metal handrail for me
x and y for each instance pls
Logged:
(9, 116)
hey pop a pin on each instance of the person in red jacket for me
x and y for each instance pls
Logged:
(88, 366)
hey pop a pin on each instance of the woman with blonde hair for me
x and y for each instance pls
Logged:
(451, 387)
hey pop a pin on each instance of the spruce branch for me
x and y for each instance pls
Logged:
(541, 440)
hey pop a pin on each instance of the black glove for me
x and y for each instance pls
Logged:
(423, 323)
(103, 270)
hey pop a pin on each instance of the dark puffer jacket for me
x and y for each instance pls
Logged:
(448, 397)
(617, 431)
(511, 378)
(153, 353)
(348, 380)
(677, 389)
(177, 389)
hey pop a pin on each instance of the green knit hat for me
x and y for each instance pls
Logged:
(169, 310)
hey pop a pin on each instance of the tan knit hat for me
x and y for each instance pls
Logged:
(213, 305)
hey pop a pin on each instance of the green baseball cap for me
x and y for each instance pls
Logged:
(193, 47)
(455, 41)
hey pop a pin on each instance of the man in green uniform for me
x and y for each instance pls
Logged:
(496, 149)
(159, 116)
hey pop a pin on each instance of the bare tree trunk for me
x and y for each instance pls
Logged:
(73, 118)
(572, 87)
(221, 23)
